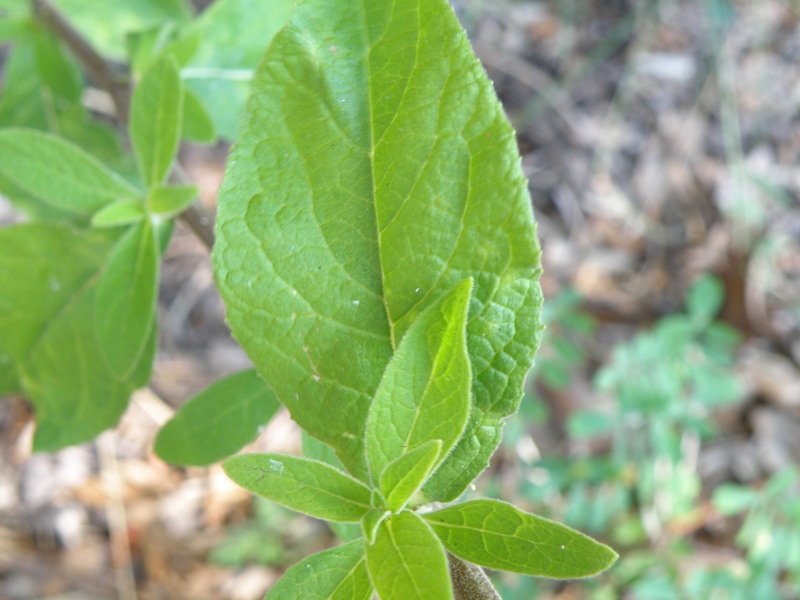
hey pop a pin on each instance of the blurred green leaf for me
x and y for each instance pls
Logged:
(218, 422)
(169, 201)
(125, 212)
(704, 299)
(107, 24)
(125, 301)
(234, 35)
(585, 424)
(197, 123)
(59, 173)
(156, 117)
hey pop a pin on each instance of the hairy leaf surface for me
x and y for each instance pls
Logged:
(304, 485)
(499, 536)
(407, 561)
(376, 171)
(424, 393)
(219, 421)
(404, 476)
(336, 574)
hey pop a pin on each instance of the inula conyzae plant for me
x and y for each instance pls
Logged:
(377, 256)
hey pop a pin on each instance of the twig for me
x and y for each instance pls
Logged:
(100, 70)
(117, 519)
(197, 217)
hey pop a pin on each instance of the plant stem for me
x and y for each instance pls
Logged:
(197, 217)
(470, 582)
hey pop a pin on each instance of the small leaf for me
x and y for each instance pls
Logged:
(156, 117)
(704, 299)
(59, 173)
(126, 212)
(218, 422)
(425, 392)
(407, 562)
(730, 499)
(370, 523)
(336, 574)
(404, 476)
(125, 304)
(304, 485)
(169, 201)
(499, 536)
(197, 123)
(314, 449)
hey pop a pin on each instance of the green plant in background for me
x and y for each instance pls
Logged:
(662, 387)
(375, 250)
(665, 384)
(769, 538)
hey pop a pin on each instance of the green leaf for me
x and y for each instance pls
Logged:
(304, 485)
(197, 124)
(107, 24)
(376, 171)
(404, 476)
(48, 275)
(125, 212)
(156, 117)
(125, 303)
(219, 421)
(59, 173)
(370, 523)
(169, 201)
(407, 562)
(314, 449)
(234, 35)
(424, 393)
(730, 499)
(336, 574)
(704, 299)
(499, 536)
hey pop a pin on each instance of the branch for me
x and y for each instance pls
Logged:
(197, 217)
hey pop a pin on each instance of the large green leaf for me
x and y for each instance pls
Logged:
(234, 35)
(125, 301)
(304, 485)
(58, 173)
(156, 118)
(499, 536)
(336, 574)
(219, 421)
(424, 393)
(377, 171)
(407, 562)
(48, 277)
